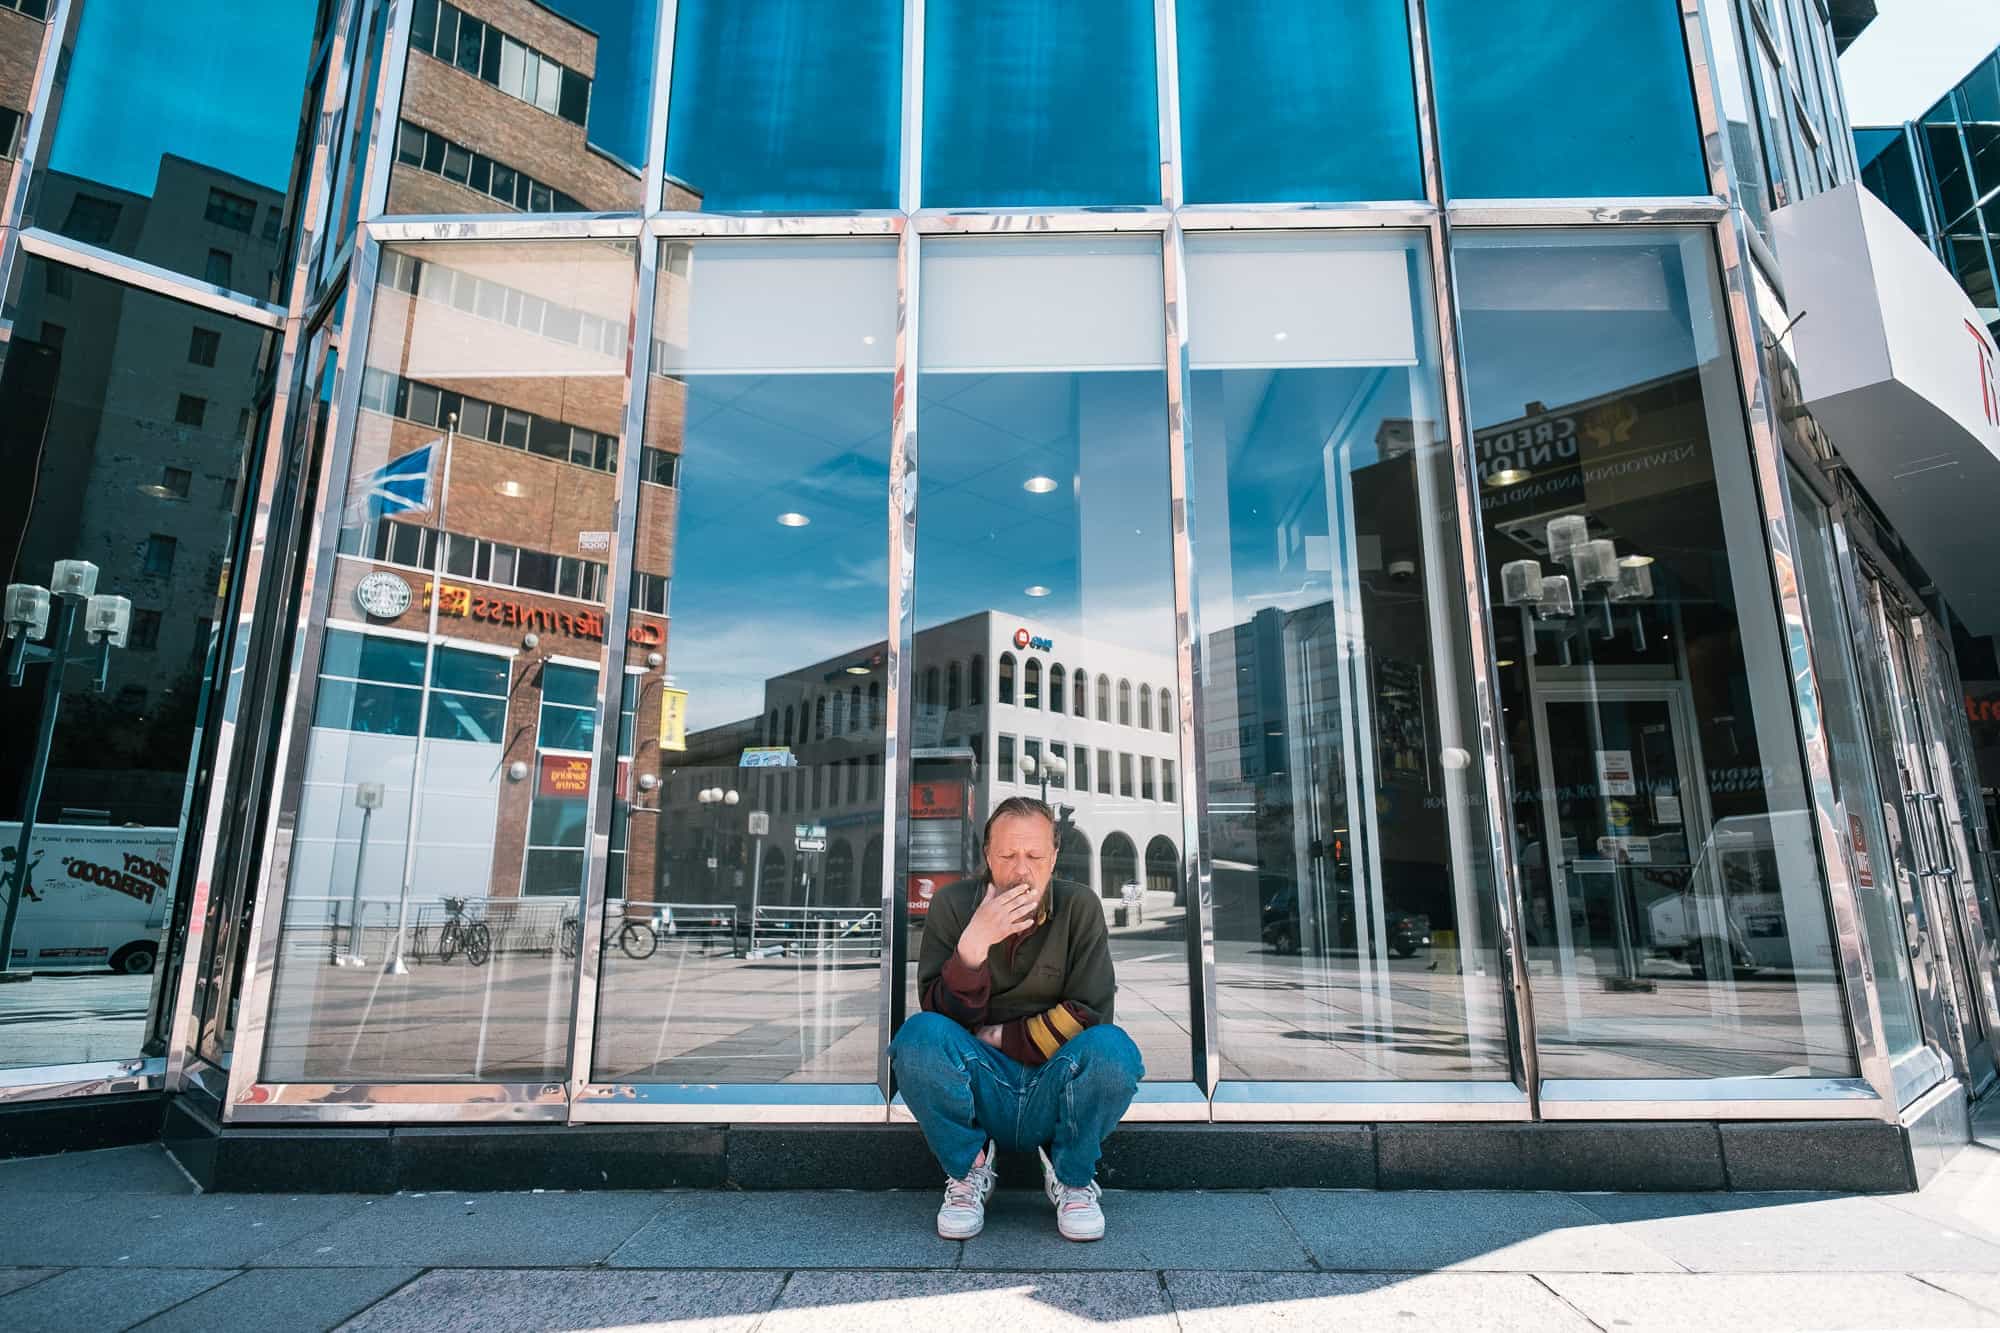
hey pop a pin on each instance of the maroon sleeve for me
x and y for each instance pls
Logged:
(1023, 1038)
(960, 993)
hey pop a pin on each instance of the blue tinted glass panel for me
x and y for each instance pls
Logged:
(567, 729)
(785, 105)
(1296, 100)
(173, 116)
(1598, 103)
(467, 717)
(1031, 103)
(569, 685)
(480, 673)
(524, 106)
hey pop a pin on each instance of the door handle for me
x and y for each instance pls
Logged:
(1947, 862)
(1920, 834)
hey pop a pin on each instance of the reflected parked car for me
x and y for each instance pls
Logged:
(1407, 931)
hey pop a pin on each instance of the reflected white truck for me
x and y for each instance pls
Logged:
(97, 897)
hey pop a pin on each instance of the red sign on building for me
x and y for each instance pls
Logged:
(565, 776)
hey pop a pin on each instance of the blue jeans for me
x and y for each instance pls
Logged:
(964, 1092)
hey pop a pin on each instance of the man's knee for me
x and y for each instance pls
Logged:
(928, 1047)
(1106, 1057)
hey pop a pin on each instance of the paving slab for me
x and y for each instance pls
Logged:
(532, 1302)
(91, 1300)
(794, 1229)
(1502, 1302)
(13, 1279)
(1965, 1200)
(1764, 1302)
(1422, 1231)
(296, 1300)
(1018, 1303)
(199, 1231)
(473, 1231)
(1982, 1289)
(1143, 1230)
(1749, 1233)
(142, 1169)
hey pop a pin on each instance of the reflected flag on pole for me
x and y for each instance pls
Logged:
(400, 486)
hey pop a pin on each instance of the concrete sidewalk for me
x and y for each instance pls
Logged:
(119, 1238)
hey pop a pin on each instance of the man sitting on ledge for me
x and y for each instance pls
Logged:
(1015, 1047)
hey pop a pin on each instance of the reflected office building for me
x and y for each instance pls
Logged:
(535, 554)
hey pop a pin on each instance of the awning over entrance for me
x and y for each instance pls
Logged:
(1897, 368)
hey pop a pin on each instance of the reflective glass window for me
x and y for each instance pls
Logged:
(785, 106)
(1981, 102)
(1297, 100)
(1675, 910)
(1951, 183)
(98, 857)
(1039, 103)
(756, 861)
(533, 106)
(1739, 115)
(449, 836)
(1344, 808)
(1888, 169)
(1852, 748)
(1044, 358)
(1545, 117)
(177, 124)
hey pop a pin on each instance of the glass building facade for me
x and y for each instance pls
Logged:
(608, 494)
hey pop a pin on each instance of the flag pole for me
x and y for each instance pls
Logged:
(396, 966)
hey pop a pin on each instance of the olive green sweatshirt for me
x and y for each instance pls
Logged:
(1042, 986)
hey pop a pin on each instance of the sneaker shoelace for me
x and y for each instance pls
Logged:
(965, 1192)
(1077, 1197)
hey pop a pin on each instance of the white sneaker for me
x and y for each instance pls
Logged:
(1079, 1215)
(963, 1213)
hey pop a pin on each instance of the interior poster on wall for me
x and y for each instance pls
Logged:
(1614, 773)
(1399, 719)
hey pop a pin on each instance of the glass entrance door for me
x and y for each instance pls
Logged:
(1936, 830)
(1619, 828)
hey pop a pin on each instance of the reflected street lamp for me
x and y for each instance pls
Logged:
(712, 800)
(107, 622)
(1044, 771)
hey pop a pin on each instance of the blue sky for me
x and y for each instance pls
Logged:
(221, 89)
(224, 88)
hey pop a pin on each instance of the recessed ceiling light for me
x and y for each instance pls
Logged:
(1635, 561)
(513, 490)
(1039, 485)
(158, 492)
(1280, 336)
(857, 670)
(1037, 590)
(1505, 662)
(793, 519)
(1507, 476)
(867, 340)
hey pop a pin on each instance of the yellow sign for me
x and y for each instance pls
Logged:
(673, 719)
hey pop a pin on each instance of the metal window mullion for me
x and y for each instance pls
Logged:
(199, 971)
(381, 155)
(36, 137)
(909, 183)
(901, 612)
(1760, 414)
(1197, 871)
(1166, 77)
(315, 598)
(301, 689)
(149, 277)
(653, 179)
(1507, 890)
(611, 680)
